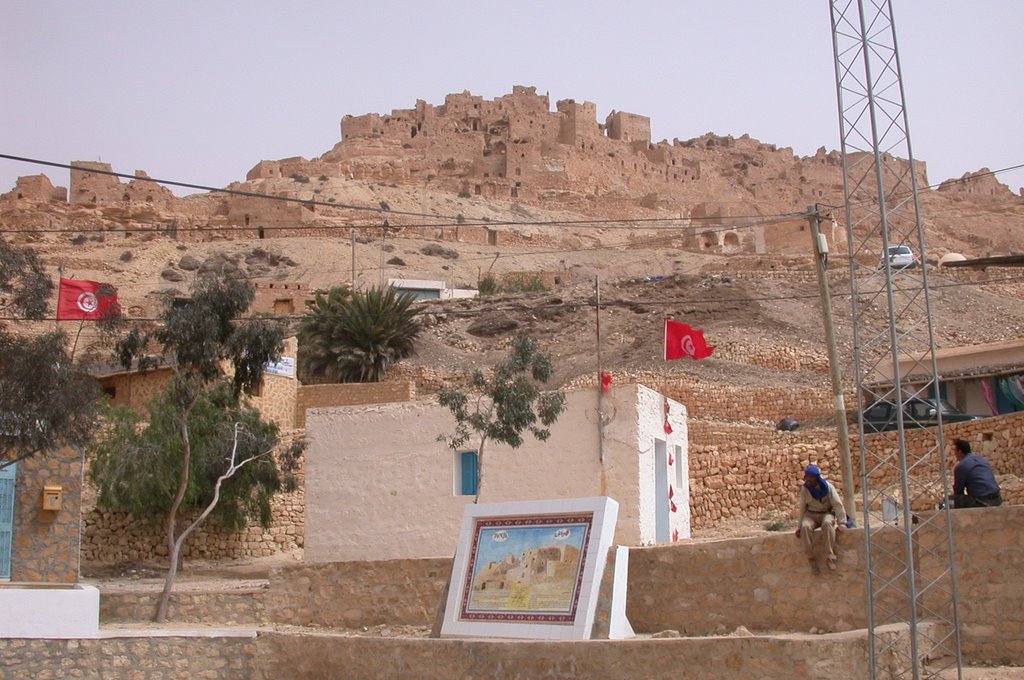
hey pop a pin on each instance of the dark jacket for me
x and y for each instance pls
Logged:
(973, 476)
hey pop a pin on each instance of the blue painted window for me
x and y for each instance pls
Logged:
(6, 519)
(467, 463)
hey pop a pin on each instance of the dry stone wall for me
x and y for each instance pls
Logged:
(213, 657)
(110, 536)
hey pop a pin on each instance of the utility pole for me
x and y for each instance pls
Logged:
(819, 247)
(600, 373)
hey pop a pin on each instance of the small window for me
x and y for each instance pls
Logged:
(465, 473)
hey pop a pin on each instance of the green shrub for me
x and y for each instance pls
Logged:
(488, 286)
(79, 240)
(524, 285)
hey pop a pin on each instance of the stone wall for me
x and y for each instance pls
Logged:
(351, 394)
(709, 588)
(708, 399)
(130, 658)
(243, 605)
(354, 594)
(44, 547)
(843, 657)
(737, 604)
(111, 536)
(752, 470)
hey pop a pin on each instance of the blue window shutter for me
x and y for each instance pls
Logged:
(468, 465)
(6, 518)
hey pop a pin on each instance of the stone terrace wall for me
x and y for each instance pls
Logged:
(352, 594)
(709, 588)
(706, 399)
(724, 658)
(110, 536)
(704, 588)
(752, 471)
(130, 658)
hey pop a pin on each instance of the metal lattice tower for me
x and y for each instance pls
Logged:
(911, 582)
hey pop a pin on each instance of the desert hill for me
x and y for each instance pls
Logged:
(707, 230)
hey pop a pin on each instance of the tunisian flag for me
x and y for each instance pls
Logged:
(88, 300)
(683, 341)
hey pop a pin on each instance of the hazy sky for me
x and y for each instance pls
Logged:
(200, 92)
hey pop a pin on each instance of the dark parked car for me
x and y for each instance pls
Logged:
(917, 412)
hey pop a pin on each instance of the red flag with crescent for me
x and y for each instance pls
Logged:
(89, 300)
(683, 341)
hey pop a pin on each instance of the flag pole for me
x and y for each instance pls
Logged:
(600, 373)
(60, 275)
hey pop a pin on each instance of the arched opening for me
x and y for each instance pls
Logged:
(709, 239)
(731, 240)
(412, 132)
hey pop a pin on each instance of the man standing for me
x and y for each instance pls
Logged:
(974, 485)
(820, 506)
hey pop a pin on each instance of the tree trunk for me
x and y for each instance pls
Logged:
(172, 515)
(479, 471)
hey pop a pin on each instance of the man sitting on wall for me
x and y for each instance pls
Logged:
(974, 484)
(820, 506)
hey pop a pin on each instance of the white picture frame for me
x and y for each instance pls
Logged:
(529, 569)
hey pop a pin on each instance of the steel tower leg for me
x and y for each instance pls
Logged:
(911, 580)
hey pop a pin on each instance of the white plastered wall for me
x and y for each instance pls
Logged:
(380, 486)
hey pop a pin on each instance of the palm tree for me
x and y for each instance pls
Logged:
(357, 336)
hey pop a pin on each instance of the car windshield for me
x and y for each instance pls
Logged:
(899, 250)
(946, 407)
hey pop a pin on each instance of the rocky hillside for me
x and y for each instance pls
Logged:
(706, 230)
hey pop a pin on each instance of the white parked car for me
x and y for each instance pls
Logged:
(900, 257)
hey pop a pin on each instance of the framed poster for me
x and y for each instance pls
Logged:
(529, 569)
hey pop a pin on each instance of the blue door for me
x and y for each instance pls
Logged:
(6, 519)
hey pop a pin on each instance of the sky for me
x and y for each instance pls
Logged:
(199, 92)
